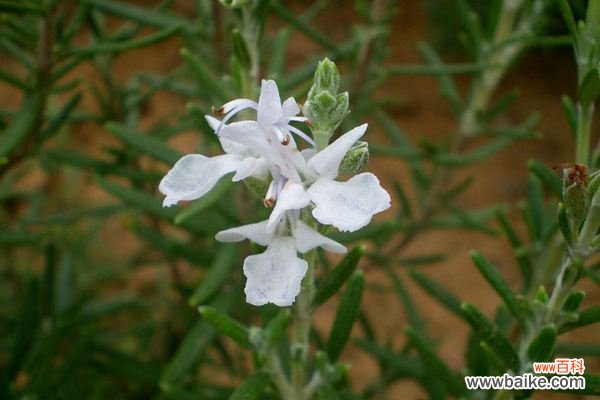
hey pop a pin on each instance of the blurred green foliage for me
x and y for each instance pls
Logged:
(80, 159)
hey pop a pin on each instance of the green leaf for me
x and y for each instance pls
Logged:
(405, 298)
(24, 333)
(122, 46)
(447, 87)
(191, 349)
(589, 88)
(488, 332)
(276, 327)
(587, 317)
(508, 229)
(302, 26)
(573, 301)
(438, 292)
(19, 127)
(151, 205)
(278, 52)
(157, 19)
(205, 77)
(19, 7)
(195, 343)
(62, 116)
(548, 177)
(334, 280)
(216, 275)
(432, 361)
(346, 315)
(114, 362)
(570, 113)
(226, 325)
(251, 388)
(491, 274)
(542, 346)
(154, 147)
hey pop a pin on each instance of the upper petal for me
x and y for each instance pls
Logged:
(274, 276)
(290, 107)
(194, 175)
(292, 197)
(348, 205)
(248, 134)
(255, 232)
(327, 162)
(307, 239)
(269, 104)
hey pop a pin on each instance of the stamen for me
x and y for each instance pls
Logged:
(282, 139)
(271, 196)
(232, 108)
(217, 112)
(301, 134)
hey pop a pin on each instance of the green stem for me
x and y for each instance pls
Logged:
(301, 332)
(584, 128)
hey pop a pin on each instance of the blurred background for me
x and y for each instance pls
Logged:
(96, 277)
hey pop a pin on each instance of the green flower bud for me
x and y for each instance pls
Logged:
(356, 159)
(325, 107)
(575, 193)
(542, 295)
(327, 77)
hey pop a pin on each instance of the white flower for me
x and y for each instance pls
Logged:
(346, 205)
(252, 147)
(275, 275)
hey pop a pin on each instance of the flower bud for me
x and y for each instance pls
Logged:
(327, 77)
(575, 193)
(356, 159)
(325, 107)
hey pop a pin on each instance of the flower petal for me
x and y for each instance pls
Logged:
(348, 205)
(269, 104)
(248, 134)
(212, 122)
(292, 197)
(194, 175)
(307, 239)
(290, 107)
(275, 275)
(327, 162)
(251, 166)
(255, 232)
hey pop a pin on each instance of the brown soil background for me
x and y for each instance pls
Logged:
(541, 78)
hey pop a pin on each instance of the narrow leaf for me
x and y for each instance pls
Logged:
(346, 315)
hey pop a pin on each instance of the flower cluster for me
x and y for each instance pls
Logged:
(302, 182)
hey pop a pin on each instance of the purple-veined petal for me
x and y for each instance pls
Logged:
(292, 197)
(307, 239)
(194, 175)
(348, 205)
(275, 275)
(326, 163)
(255, 232)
